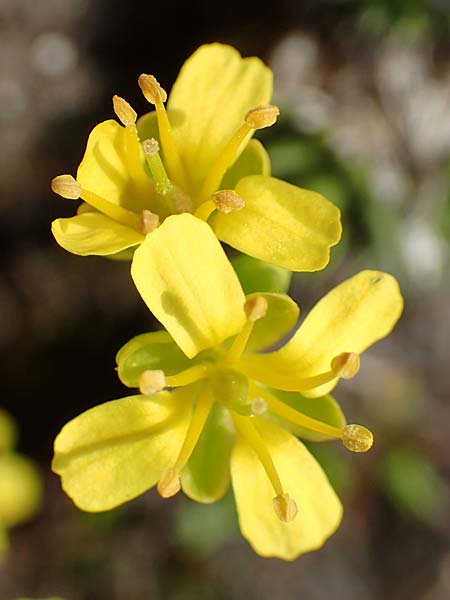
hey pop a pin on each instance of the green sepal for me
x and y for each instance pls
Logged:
(324, 408)
(206, 476)
(258, 276)
(155, 351)
(282, 315)
(254, 160)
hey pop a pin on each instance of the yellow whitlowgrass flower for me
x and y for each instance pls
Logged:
(197, 156)
(20, 484)
(213, 405)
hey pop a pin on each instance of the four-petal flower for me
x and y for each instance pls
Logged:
(210, 167)
(213, 404)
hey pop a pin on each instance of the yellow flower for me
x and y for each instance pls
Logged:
(20, 485)
(212, 403)
(210, 167)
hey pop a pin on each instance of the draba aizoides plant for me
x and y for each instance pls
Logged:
(216, 401)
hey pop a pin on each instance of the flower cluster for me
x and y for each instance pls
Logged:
(217, 402)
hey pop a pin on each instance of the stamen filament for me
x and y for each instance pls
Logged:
(169, 484)
(290, 414)
(116, 212)
(188, 376)
(223, 162)
(237, 348)
(257, 118)
(205, 210)
(249, 432)
(155, 94)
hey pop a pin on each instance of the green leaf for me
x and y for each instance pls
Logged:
(411, 481)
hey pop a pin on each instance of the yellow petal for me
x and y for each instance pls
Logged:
(350, 318)
(108, 170)
(215, 89)
(281, 224)
(94, 233)
(186, 280)
(20, 489)
(319, 509)
(118, 450)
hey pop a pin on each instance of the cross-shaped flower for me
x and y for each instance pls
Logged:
(209, 166)
(212, 403)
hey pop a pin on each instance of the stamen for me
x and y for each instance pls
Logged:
(156, 95)
(152, 382)
(66, 186)
(357, 438)
(169, 484)
(124, 111)
(285, 508)
(148, 221)
(127, 116)
(258, 406)
(224, 200)
(260, 117)
(151, 89)
(228, 201)
(354, 437)
(255, 308)
(188, 376)
(182, 201)
(114, 211)
(346, 365)
(294, 416)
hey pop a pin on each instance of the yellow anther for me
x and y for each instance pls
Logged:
(66, 186)
(150, 147)
(258, 406)
(152, 381)
(169, 484)
(262, 116)
(124, 112)
(256, 308)
(228, 201)
(357, 438)
(345, 365)
(151, 89)
(182, 201)
(285, 508)
(148, 221)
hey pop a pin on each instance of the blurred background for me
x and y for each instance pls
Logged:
(364, 89)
